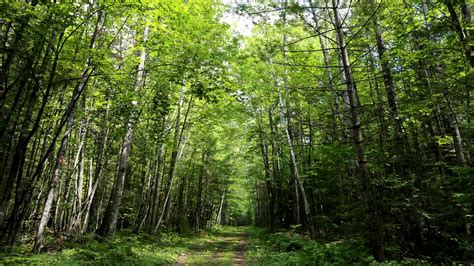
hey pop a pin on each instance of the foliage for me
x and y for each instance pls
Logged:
(342, 127)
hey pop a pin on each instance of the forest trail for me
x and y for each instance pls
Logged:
(220, 248)
(141, 132)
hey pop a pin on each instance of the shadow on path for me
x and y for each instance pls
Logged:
(221, 248)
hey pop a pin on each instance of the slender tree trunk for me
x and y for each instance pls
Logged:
(22, 198)
(268, 178)
(23, 193)
(109, 222)
(93, 207)
(158, 181)
(276, 169)
(16, 168)
(60, 161)
(77, 216)
(373, 219)
(455, 133)
(197, 213)
(388, 81)
(172, 167)
(377, 101)
(336, 110)
(142, 210)
(284, 107)
(463, 34)
(10, 58)
(178, 136)
(219, 213)
(295, 172)
(91, 189)
(75, 225)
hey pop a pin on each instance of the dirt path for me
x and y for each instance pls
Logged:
(221, 248)
(240, 253)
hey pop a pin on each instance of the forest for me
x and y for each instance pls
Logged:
(277, 132)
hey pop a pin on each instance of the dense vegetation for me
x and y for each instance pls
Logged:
(207, 247)
(341, 127)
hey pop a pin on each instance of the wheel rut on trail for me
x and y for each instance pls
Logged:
(221, 248)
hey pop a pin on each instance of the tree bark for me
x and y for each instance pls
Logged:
(373, 219)
(388, 81)
(157, 187)
(458, 28)
(285, 116)
(76, 225)
(199, 203)
(60, 161)
(219, 212)
(17, 165)
(92, 208)
(336, 110)
(109, 223)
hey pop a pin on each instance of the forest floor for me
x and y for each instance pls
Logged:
(223, 247)
(218, 246)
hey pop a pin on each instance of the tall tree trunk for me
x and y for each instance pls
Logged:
(199, 203)
(462, 33)
(92, 209)
(60, 161)
(17, 165)
(91, 189)
(143, 206)
(178, 137)
(336, 110)
(109, 222)
(157, 186)
(276, 170)
(373, 219)
(76, 225)
(268, 178)
(377, 101)
(16, 171)
(219, 212)
(10, 58)
(388, 81)
(285, 116)
(455, 132)
(172, 167)
(294, 169)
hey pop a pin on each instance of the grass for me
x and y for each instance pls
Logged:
(130, 248)
(125, 248)
(289, 248)
(219, 246)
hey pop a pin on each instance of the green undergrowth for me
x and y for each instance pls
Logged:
(217, 246)
(290, 248)
(125, 247)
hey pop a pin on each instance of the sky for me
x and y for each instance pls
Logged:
(241, 24)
